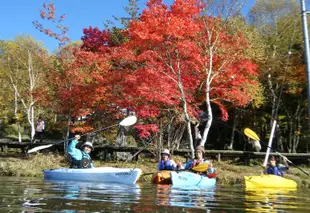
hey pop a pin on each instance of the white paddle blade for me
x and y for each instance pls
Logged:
(35, 149)
(130, 120)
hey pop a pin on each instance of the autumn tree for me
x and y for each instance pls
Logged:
(24, 71)
(166, 61)
(280, 29)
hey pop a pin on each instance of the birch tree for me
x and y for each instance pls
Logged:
(23, 62)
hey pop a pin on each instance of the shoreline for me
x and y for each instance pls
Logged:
(229, 173)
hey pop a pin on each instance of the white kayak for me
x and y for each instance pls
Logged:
(101, 174)
(191, 179)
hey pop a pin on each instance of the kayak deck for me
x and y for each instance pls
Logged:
(102, 174)
(191, 179)
(268, 181)
(161, 177)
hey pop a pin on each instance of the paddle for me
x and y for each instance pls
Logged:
(128, 121)
(251, 134)
(199, 168)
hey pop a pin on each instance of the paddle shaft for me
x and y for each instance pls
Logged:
(194, 169)
(98, 130)
(178, 170)
(47, 146)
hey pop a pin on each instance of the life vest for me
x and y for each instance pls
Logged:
(85, 162)
(165, 165)
(274, 171)
(196, 163)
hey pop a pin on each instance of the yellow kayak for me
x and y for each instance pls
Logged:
(268, 181)
(161, 177)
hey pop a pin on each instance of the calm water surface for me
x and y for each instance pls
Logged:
(36, 195)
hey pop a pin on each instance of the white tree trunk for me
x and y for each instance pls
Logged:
(209, 71)
(31, 100)
(186, 116)
(27, 104)
(17, 118)
(210, 117)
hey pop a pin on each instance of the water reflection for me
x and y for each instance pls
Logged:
(63, 195)
(191, 197)
(34, 195)
(270, 200)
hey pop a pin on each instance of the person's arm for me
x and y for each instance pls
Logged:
(173, 164)
(157, 167)
(285, 161)
(269, 171)
(211, 170)
(73, 151)
(180, 165)
(188, 165)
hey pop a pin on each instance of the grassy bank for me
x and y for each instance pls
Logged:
(228, 172)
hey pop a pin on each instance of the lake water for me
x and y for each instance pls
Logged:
(36, 195)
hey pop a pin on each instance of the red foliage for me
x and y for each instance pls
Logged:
(165, 53)
(48, 13)
(95, 39)
(146, 130)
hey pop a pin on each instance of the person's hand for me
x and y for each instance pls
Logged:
(77, 137)
(179, 164)
(210, 164)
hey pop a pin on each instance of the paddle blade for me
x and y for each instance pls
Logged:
(39, 148)
(201, 167)
(251, 134)
(130, 120)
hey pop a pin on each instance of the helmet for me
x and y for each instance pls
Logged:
(165, 151)
(88, 144)
(201, 148)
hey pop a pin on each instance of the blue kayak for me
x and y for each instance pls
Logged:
(101, 174)
(191, 179)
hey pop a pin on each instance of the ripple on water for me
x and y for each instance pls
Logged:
(35, 195)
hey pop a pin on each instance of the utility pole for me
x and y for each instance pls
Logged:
(304, 13)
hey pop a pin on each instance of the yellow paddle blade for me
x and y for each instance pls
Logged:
(251, 134)
(201, 167)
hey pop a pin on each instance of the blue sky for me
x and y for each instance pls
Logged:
(17, 15)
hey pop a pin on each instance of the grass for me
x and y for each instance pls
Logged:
(228, 172)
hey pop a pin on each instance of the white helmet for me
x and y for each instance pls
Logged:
(88, 144)
(166, 151)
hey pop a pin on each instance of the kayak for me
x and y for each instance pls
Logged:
(161, 177)
(191, 179)
(268, 181)
(101, 174)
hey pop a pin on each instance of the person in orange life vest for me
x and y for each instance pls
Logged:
(199, 159)
(276, 169)
(166, 163)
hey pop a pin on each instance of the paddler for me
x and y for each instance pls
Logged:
(276, 169)
(199, 159)
(166, 163)
(80, 158)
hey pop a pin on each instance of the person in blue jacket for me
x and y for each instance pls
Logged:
(276, 169)
(80, 158)
(166, 163)
(199, 159)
